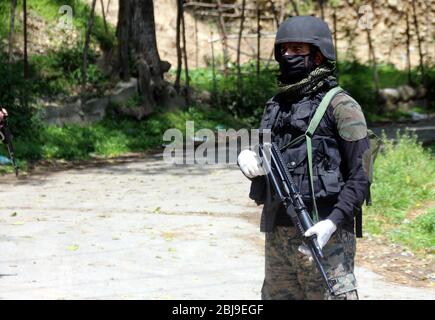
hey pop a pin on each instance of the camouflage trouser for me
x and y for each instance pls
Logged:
(290, 275)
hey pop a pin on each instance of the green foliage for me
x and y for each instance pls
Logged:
(16, 95)
(49, 10)
(247, 100)
(114, 136)
(404, 175)
(243, 100)
(418, 234)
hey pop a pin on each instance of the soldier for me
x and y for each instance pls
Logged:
(306, 57)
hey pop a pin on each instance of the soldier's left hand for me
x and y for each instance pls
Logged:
(324, 230)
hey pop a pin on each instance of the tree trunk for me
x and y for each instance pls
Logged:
(26, 62)
(275, 13)
(334, 16)
(420, 51)
(143, 37)
(258, 38)
(137, 38)
(107, 9)
(408, 54)
(104, 16)
(123, 35)
(375, 69)
(86, 49)
(322, 9)
(177, 43)
(239, 43)
(196, 42)
(11, 29)
(295, 7)
(224, 36)
(283, 11)
(186, 67)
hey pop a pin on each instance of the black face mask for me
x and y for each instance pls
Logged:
(293, 68)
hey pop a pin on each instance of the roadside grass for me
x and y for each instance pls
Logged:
(404, 179)
(112, 136)
(419, 233)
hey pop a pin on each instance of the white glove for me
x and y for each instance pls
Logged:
(324, 230)
(249, 163)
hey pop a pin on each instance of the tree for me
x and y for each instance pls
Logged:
(137, 40)
(86, 49)
(26, 60)
(11, 29)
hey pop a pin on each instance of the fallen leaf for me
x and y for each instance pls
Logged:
(157, 210)
(73, 247)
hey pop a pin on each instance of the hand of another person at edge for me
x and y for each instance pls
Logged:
(324, 230)
(3, 114)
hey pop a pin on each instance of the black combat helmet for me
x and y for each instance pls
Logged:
(307, 29)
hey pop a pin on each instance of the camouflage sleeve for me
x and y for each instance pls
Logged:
(351, 124)
(353, 144)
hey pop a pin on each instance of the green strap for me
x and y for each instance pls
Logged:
(314, 123)
(292, 142)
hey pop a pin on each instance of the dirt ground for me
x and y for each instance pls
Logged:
(139, 228)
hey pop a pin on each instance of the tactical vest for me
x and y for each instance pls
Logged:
(291, 122)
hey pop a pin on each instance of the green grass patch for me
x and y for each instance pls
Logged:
(404, 176)
(113, 137)
(418, 234)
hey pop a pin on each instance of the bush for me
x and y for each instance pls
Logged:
(404, 176)
(243, 101)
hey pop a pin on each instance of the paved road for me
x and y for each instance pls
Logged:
(140, 230)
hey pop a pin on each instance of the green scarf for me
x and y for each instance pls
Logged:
(315, 80)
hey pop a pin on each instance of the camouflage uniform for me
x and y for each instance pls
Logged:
(290, 275)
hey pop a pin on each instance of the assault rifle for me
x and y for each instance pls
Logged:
(288, 193)
(6, 138)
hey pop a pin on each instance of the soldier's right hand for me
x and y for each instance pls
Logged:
(250, 164)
